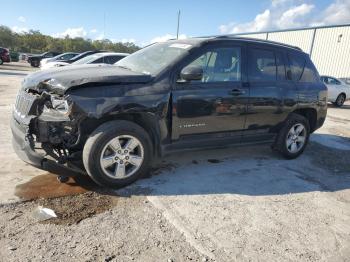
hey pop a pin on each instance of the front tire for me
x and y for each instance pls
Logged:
(293, 137)
(340, 100)
(34, 63)
(117, 153)
(1, 61)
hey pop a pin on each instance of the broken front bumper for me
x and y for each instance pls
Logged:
(25, 150)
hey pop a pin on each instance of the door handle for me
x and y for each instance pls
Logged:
(237, 92)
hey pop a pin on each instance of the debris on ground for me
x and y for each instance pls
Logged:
(42, 213)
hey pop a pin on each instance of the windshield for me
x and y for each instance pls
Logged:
(79, 55)
(153, 59)
(86, 59)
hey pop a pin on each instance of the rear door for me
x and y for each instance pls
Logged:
(271, 94)
(216, 103)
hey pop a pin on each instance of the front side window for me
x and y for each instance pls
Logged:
(261, 65)
(67, 56)
(333, 81)
(220, 64)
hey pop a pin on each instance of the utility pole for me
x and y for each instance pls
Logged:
(178, 24)
(104, 25)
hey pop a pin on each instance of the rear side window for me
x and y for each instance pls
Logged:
(310, 74)
(262, 65)
(333, 81)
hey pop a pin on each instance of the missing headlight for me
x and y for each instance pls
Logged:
(60, 105)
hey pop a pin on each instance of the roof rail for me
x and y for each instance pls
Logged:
(255, 40)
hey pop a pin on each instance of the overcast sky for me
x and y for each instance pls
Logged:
(143, 22)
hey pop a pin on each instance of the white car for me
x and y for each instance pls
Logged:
(338, 90)
(65, 56)
(98, 58)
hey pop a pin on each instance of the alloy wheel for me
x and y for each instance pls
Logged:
(296, 138)
(122, 156)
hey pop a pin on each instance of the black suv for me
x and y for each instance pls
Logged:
(111, 121)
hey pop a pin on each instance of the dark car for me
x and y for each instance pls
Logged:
(4, 56)
(111, 121)
(34, 60)
(82, 55)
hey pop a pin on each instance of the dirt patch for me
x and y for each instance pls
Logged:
(71, 210)
(47, 186)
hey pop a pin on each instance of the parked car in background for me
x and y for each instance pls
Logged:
(99, 58)
(82, 55)
(338, 90)
(14, 56)
(4, 55)
(111, 121)
(61, 57)
(34, 60)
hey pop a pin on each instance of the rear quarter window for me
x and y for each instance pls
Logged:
(310, 74)
(297, 63)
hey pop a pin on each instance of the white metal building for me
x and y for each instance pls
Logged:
(328, 46)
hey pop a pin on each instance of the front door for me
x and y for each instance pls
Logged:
(216, 104)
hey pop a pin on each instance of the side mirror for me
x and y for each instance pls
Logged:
(190, 73)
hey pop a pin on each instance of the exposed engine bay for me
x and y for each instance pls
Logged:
(53, 127)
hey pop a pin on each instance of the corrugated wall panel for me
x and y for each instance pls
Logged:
(300, 38)
(331, 54)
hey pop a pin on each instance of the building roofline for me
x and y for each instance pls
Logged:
(292, 29)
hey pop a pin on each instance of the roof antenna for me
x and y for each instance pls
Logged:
(178, 24)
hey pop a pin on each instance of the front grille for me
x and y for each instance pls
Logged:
(24, 102)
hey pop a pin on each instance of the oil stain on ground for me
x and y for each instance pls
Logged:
(71, 210)
(47, 186)
(72, 202)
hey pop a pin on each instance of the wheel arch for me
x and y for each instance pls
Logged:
(342, 93)
(147, 121)
(310, 114)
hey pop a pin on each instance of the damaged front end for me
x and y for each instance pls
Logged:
(46, 128)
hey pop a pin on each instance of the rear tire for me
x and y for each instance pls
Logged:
(293, 137)
(340, 100)
(1, 62)
(117, 153)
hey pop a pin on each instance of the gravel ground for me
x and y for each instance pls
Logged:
(239, 204)
(130, 229)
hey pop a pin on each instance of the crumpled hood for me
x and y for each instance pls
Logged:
(59, 80)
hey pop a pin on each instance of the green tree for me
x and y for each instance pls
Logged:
(36, 42)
